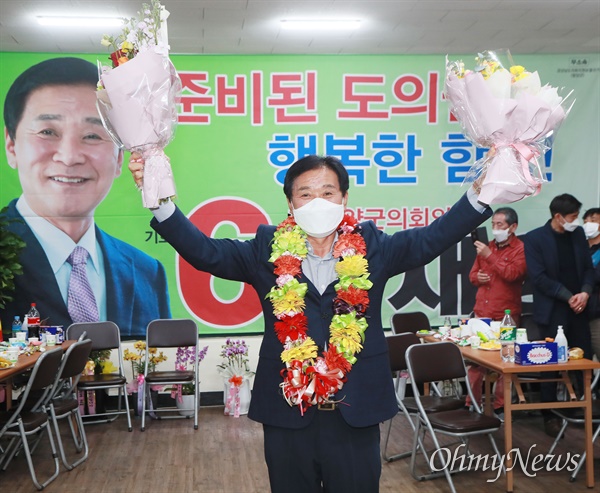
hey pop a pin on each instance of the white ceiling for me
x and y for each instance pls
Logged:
(388, 27)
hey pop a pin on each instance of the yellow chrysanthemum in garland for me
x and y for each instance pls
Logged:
(289, 302)
(354, 265)
(307, 350)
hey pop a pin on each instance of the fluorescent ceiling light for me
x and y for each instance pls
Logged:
(327, 24)
(80, 21)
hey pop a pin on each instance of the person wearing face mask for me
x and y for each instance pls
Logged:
(591, 226)
(329, 444)
(560, 268)
(498, 272)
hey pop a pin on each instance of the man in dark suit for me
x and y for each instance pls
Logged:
(66, 163)
(560, 268)
(327, 446)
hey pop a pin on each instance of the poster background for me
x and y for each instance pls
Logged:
(226, 164)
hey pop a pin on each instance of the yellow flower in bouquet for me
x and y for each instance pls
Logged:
(518, 72)
(504, 107)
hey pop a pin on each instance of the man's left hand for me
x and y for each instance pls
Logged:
(578, 302)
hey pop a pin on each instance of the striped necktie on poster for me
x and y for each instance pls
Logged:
(81, 301)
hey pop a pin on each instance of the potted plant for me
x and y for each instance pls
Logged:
(184, 394)
(237, 377)
(11, 245)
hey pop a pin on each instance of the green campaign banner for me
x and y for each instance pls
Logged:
(243, 120)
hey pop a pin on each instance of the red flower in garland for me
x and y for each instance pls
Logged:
(354, 296)
(333, 359)
(349, 221)
(289, 222)
(287, 264)
(292, 327)
(350, 242)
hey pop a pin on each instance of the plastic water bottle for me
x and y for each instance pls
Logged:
(563, 346)
(33, 321)
(16, 326)
(508, 333)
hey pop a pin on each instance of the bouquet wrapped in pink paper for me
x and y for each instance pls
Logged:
(509, 111)
(137, 98)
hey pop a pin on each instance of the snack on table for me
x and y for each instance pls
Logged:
(5, 363)
(490, 345)
(575, 353)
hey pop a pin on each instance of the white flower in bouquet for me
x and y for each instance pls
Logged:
(137, 97)
(509, 111)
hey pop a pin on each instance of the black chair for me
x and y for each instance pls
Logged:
(397, 347)
(62, 402)
(167, 333)
(409, 322)
(444, 361)
(28, 420)
(104, 336)
(533, 331)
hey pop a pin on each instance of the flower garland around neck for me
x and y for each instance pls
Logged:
(308, 378)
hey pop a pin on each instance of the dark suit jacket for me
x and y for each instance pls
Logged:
(368, 395)
(541, 255)
(136, 284)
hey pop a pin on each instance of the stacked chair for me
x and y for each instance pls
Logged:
(62, 402)
(29, 418)
(443, 361)
(397, 346)
(576, 415)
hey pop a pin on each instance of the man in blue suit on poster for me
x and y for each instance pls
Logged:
(66, 164)
(323, 381)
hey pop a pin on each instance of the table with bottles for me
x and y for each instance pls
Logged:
(25, 362)
(514, 374)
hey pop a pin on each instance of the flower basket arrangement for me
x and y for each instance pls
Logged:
(136, 357)
(137, 97)
(237, 377)
(504, 107)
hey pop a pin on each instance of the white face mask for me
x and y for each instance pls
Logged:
(591, 230)
(319, 218)
(572, 226)
(500, 235)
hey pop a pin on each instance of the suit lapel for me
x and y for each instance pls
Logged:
(37, 271)
(120, 281)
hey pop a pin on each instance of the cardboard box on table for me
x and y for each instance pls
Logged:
(536, 353)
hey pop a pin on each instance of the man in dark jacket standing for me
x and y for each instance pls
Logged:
(561, 272)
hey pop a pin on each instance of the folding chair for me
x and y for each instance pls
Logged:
(26, 420)
(575, 415)
(167, 333)
(104, 336)
(409, 322)
(397, 346)
(443, 361)
(62, 402)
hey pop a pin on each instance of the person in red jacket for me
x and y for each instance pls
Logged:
(498, 271)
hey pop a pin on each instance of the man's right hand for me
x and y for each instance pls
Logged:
(136, 166)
